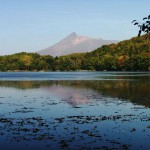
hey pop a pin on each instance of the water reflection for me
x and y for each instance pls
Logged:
(136, 91)
(93, 114)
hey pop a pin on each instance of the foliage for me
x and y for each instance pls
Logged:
(26, 62)
(144, 27)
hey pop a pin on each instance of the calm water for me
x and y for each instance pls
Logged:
(75, 110)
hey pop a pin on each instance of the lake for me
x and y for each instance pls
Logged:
(74, 110)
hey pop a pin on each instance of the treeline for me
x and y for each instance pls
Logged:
(129, 55)
(26, 62)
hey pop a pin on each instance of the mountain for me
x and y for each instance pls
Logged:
(128, 55)
(74, 43)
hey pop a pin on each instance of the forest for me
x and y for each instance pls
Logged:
(128, 55)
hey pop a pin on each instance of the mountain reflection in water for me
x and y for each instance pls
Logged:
(136, 91)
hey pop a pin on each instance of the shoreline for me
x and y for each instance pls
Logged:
(73, 71)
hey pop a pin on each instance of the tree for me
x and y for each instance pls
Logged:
(27, 60)
(144, 27)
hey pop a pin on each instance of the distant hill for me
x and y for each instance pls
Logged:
(74, 43)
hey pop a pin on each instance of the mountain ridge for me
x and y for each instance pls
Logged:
(74, 43)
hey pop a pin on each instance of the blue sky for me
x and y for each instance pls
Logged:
(31, 25)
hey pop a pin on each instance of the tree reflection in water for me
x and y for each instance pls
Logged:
(136, 90)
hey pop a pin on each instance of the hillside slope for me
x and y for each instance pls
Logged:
(74, 43)
(128, 55)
